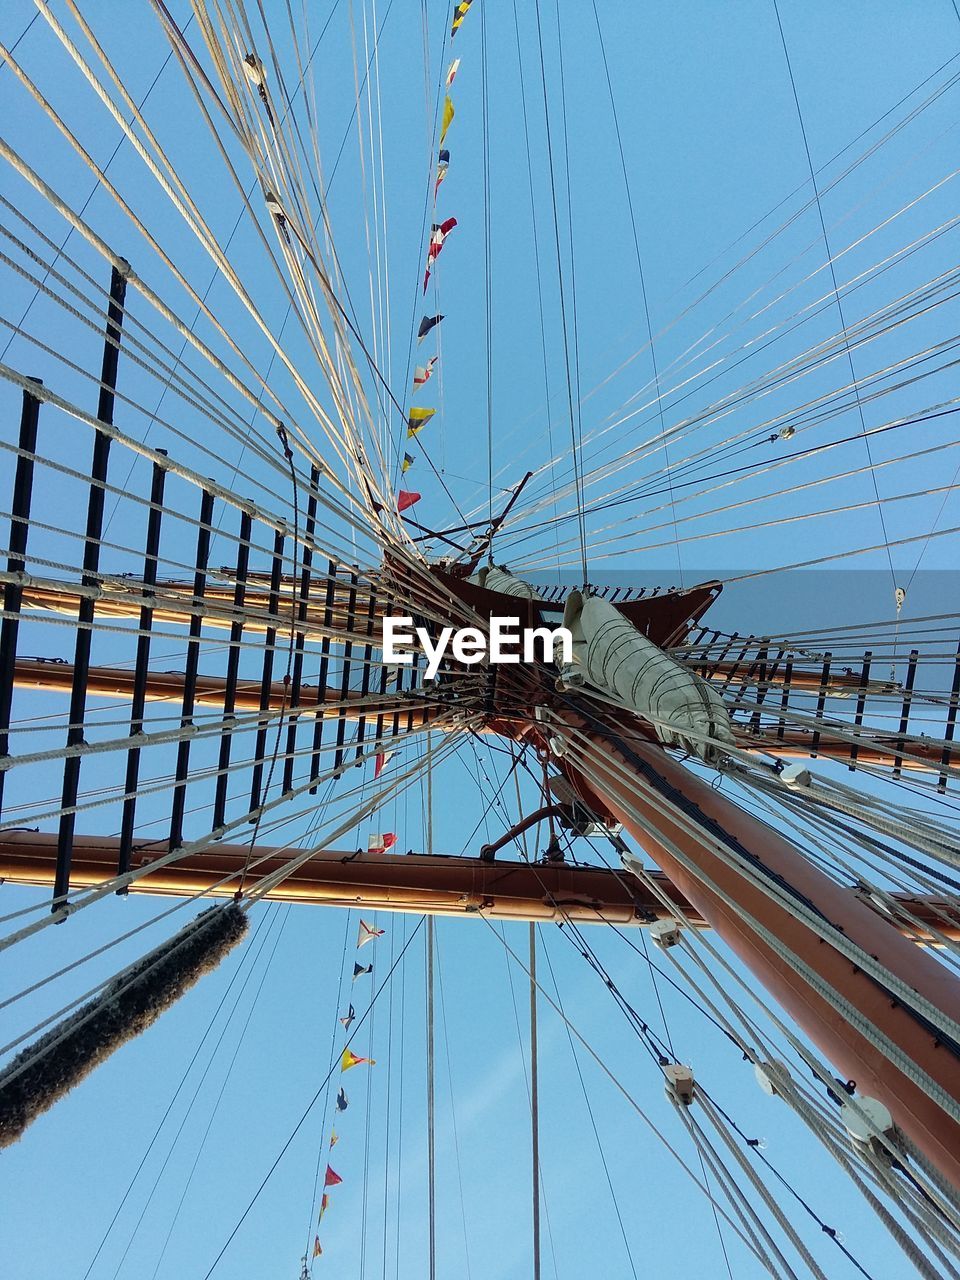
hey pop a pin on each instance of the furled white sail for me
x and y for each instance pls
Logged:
(612, 656)
(507, 584)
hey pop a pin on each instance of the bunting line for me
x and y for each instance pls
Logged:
(366, 933)
(418, 417)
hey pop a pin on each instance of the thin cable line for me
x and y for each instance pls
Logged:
(836, 290)
(487, 251)
(309, 1107)
(643, 286)
(563, 309)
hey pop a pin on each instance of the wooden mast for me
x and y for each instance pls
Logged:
(627, 780)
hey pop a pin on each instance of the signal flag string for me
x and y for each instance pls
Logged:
(366, 933)
(418, 417)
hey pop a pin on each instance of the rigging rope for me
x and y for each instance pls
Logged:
(430, 1063)
(575, 452)
(833, 278)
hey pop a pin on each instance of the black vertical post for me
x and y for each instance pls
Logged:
(328, 604)
(785, 697)
(821, 700)
(398, 690)
(765, 675)
(345, 671)
(190, 672)
(91, 579)
(415, 670)
(905, 709)
(378, 731)
(142, 666)
(721, 658)
(266, 676)
(861, 705)
(16, 563)
(735, 667)
(302, 606)
(365, 673)
(951, 726)
(233, 668)
(707, 648)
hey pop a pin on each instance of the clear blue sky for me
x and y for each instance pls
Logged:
(711, 144)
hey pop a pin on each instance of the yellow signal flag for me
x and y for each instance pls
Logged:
(459, 13)
(350, 1059)
(408, 461)
(416, 419)
(446, 120)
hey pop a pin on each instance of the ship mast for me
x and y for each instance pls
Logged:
(192, 659)
(803, 936)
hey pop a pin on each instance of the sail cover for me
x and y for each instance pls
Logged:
(506, 583)
(612, 656)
